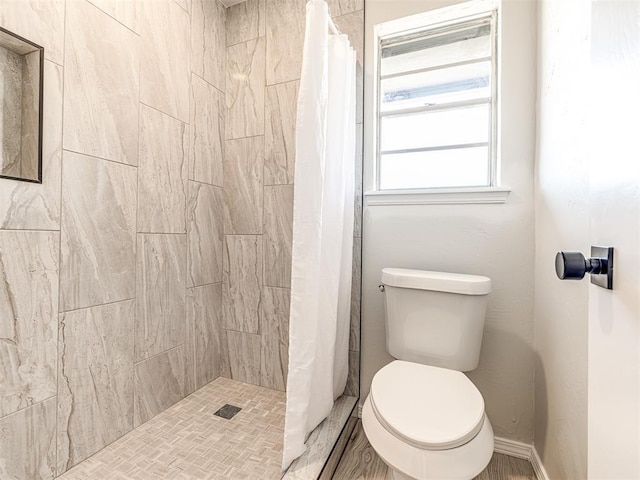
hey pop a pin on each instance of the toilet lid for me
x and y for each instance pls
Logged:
(427, 407)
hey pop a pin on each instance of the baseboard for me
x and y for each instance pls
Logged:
(512, 448)
(521, 450)
(538, 467)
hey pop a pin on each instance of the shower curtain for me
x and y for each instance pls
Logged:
(323, 217)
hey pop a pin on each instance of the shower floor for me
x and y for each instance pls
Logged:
(188, 442)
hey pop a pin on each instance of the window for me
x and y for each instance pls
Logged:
(437, 105)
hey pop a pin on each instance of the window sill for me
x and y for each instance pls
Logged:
(442, 196)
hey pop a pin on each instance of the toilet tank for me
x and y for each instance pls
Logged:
(435, 318)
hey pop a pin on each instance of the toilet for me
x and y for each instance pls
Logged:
(423, 416)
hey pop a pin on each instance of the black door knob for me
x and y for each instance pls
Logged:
(570, 265)
(573, 265)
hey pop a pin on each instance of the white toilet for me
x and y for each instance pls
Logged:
(423, 416)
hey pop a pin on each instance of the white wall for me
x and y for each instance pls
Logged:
(562, 223)
(492, 240)
(588, 177)
(614, 201)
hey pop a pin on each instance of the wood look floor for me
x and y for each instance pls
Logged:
(360, 462)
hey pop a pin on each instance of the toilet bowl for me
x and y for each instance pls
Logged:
(427, 422)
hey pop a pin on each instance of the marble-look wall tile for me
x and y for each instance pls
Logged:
(207, 132)
(32, 206)
(100, 85)
(243, 170)
(357, 223)
(95, 391)
(28, 318)
(205, 313)
(353, 25)
(274, 345)
(189, 346)
(245, 89)
(159, 383)
(356, 285)
(284, 36)
(97, 262)
(160, 284)
(353, 379)
(88, 205)
(165, 68)
(240, 358)
(242, 281)
(28, 443)
(245, 21)
(126, 13)
(208, 41)
(205, 231)
(278, 235)
(162, 172)
(285, 39)
(342, 7)
(39, 21)
(280, 133)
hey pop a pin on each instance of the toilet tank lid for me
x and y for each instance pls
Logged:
(437, 281)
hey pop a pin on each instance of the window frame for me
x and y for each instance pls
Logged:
(415, 25)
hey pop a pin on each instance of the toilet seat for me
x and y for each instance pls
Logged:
(427, 407)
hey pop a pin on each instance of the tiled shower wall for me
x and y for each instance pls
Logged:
(117, 292)
(111, 270)
(264, 41)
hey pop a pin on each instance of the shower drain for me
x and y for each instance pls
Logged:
(228, 411)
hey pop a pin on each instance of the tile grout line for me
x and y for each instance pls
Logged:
(59, 314)
(98, 305)
(114, 19)
(205, 183)
(187, 299)
(201, 77)
(88, 155)
(138, 252)
(156, 355)
(34, 404)
(151, 107)
(30, 230)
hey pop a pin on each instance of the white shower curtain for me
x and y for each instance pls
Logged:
(322, 230)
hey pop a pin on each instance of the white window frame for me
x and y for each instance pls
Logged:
(460, 13)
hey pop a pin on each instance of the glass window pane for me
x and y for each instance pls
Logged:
(436, 87)
(463, 167)
(435, 129)
(469, 44)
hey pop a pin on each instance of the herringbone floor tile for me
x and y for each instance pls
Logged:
(187, 442)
